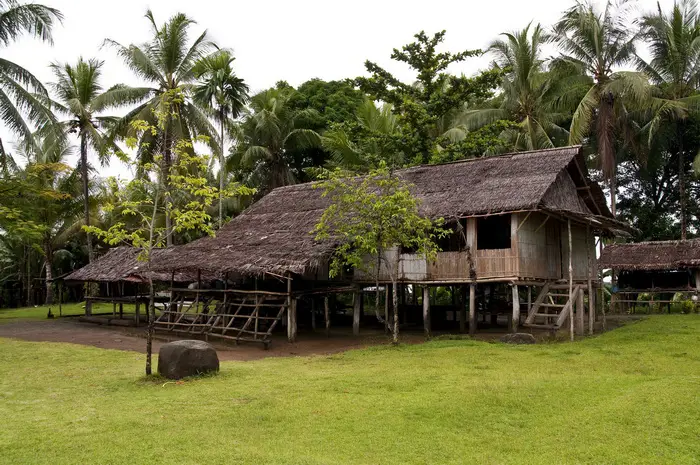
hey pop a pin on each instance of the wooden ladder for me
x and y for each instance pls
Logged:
(552, 307)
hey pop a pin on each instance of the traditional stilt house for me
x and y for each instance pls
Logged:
(523, 229)
(120, 278)
(658, 269)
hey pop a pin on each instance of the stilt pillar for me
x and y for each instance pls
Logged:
(291, 313)
(515, 320)
(426, 311)
(580, 320)
(463, 309)
(326, 315)
(356, 309)
(472, 309)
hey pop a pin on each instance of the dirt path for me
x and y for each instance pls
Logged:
(133, 339)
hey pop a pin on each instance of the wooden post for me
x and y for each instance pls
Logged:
(571, 284)
(426, 311)
(472, 309)
(356, 304)
(529, 299)
(589, 276)
(463, 309)
(137, 311)
(515, 321)
(579, 311)
(600, 285)
(387, 303)
(326, 311)
(291, 313)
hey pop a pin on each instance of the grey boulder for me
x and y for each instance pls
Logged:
(518, 338)
(180, 359)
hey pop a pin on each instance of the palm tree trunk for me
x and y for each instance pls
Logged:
(681, 187)
(613, 196)
(167, 160)
(48, 260)
(86, 198)
(222, 172)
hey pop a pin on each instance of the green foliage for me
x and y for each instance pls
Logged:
(371, 214)
(422, 106)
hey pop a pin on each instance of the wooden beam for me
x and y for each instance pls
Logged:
(472, 309)
(589, 278)
(356, 306)
(571, 283)
(426, 311)
(580, 313)
(543, 223)
(515, 321)
(291, 314)
(523, 221)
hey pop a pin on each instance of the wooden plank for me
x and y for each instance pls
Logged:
(535, 307)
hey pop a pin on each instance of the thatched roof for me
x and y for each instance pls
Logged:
(273, 235)
(122, 264)
(653, 255)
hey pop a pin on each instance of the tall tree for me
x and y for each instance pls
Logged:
(167, 62)
(81, 98)
(673, 40)
(267, 136)
(225, 95)
(21, 93)
(597, 42)
(528, 93)
(421, 106)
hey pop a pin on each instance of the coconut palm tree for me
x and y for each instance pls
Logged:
(266, 136)
(81, 98)
(366, 141)
(20, 92)
(596, 43)
(528, 92)
(57, 205)
(167, 62)
(674, 45)
(225, 95)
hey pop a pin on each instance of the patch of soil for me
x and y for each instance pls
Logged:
(134, 339)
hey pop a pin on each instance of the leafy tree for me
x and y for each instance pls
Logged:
(421, 106)
(81, 98)
(225, 95)
(369, 216)
(168, 63)
(183, 178)
(21, 93)
(596, 43)
(267, 136)
(674, 43)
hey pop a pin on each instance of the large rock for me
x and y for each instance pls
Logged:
(518, 338)
(180, 359)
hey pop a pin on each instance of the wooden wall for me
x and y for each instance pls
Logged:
(539, 250)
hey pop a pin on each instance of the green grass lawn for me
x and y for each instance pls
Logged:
(40, 312)
(629, 396)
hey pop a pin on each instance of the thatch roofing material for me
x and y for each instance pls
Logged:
(654, 255)
(273, 235)
(122, 264)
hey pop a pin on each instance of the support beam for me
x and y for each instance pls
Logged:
(571, 283)
(472, 309)
(463, 309)
(589, 277)
(580, 313)
(291, 313)
(356, 308)
(515, 321)
(426, 311)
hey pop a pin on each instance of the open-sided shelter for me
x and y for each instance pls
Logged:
(524, 220)
(659, 269)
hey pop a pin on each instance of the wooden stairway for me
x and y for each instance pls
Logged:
(552, 307)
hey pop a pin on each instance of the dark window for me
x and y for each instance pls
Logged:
(493, 232)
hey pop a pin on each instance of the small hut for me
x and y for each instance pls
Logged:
(523, 235)
(122, 279)
(658, 269)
